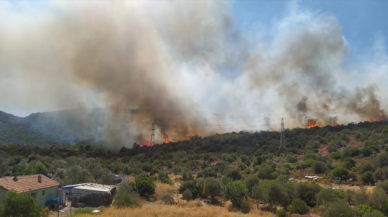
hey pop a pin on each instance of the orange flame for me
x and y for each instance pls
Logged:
(166, 140)
(311, 123)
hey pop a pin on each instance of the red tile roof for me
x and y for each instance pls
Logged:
(26, 183)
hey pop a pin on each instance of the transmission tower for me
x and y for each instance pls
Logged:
(282, 137)
(152, 142)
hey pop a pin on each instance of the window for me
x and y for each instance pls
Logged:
(33, 195)
(42, 192)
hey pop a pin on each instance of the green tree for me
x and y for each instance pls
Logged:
(234, 174)
(145, 185)
(307, 193)
(236, 192)
(15, 205)
(212, 187)
(187, 195)
(40, 168)
(318, 167)
(299, 206)
(325, 196)
(341, 172)
(367, 178)
(251, 181)
(374, 213)
(125, 197)
(339, 209)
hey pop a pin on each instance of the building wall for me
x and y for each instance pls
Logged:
(49, 194)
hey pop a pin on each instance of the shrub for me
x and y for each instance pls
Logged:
(40, 168)
(234, 174)
(363, 208)
(145, 185)
(374, 213)
(191, 185)
(251, 181)
(187, 195)
(367, 178)
(384, 208)
(341, 172)
(246, 206)
(147, 167)
(307, 193)
(211, 187)
(19, 205)
(299, 206)
(163, 177)
(332, 148)
(281, 213)
(125, 197)
(167, 199)
(339, 209)
(236, 192)
(339, 193)
(318, 167)
(326, 196)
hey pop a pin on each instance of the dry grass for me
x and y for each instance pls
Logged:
(161, 188)
(174, 211)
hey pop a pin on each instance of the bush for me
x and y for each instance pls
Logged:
(40, 168)
(246, 206)
(251, 181)
(236, 192)
(384, 208)
(145, 185)
(339, 209)
(374, 213)
(326, 196)
(147, 167)
(191, 185)
(367, 178)
(167, 199)
(163, 177)
(363, 208)
(341, 172)
(19, 205)
(307, 193)
(281, 213)
(125, 197)
(211, 187)
(299, 206)
(234, 174)
(187, 195)
(318, 167)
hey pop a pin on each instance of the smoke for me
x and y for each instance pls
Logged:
(185, 66)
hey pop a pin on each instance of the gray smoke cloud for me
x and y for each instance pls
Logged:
(184, 66)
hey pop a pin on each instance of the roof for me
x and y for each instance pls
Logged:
(95, 187)
(26, 183)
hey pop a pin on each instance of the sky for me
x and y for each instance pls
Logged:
(362, 20)
(197, 58)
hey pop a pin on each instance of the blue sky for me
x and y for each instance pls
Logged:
(362, 20)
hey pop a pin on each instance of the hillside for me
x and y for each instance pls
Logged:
(48, 128)
(352, 158)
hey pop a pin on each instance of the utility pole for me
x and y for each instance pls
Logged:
(282, 146)
(152, 142)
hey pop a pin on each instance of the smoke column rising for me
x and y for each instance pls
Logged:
(185, 66)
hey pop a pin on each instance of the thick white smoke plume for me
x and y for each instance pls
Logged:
(184, 65)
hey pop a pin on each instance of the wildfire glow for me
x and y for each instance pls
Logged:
(166, 140)
(311, 123)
